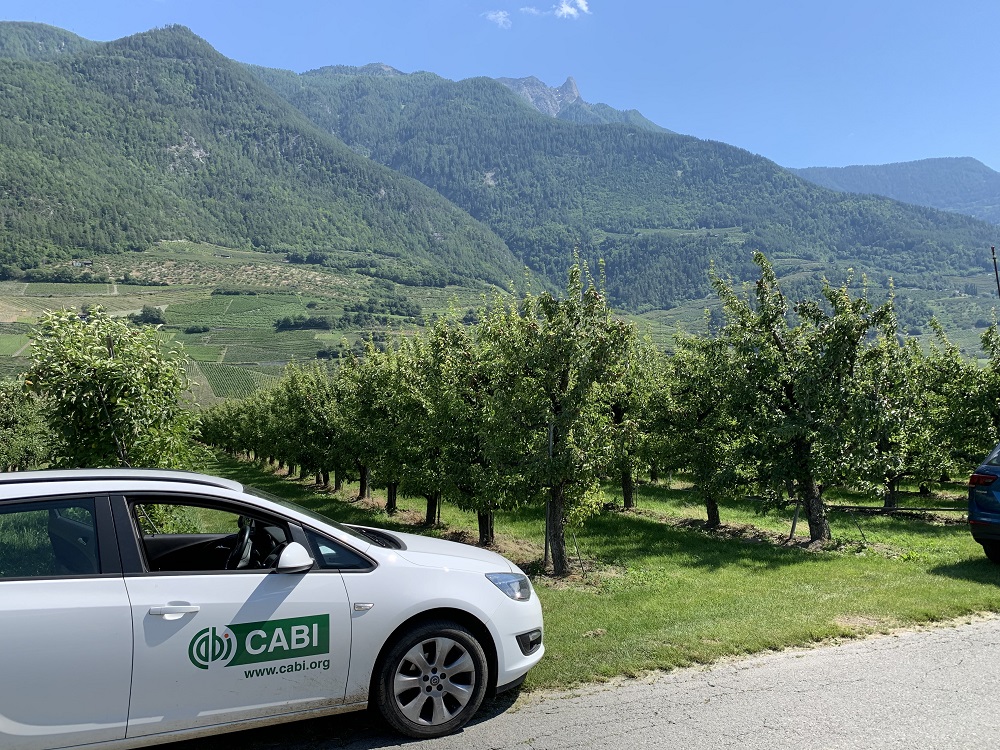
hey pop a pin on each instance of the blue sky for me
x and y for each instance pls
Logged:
(802, 83)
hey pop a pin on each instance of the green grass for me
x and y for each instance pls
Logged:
(660, 592)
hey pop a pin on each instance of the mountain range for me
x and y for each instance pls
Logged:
(110, 147)
(963, 185)
(657, 207)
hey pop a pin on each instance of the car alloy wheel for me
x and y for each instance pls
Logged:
(432, 680)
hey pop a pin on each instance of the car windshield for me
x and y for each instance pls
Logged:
(305, 511)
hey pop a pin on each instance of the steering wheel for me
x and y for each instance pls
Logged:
(272, 559)
(240, 556)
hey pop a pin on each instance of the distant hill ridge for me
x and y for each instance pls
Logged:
(38, 41)
(960, 184)
(563, 102)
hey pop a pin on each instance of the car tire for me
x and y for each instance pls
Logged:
(992, 550)
(432, 680)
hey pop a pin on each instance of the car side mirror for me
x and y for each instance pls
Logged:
(294, 559)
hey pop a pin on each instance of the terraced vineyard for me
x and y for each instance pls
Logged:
(12, 344)
(228, 381)
(248, 346)
(223, 305)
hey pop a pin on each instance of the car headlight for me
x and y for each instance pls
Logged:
(514, 585)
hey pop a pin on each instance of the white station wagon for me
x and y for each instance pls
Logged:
(141, 606)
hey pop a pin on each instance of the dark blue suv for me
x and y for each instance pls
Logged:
(984, 505)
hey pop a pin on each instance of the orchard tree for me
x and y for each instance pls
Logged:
(113, 396)
(549, 356)
(398, 416)
(791, 385)
(487, 425)
(915, 413)
(306, 413)
(889, 434)
(694, 423)
(990, 393)
(958, 406)
(379, 402)
(358, 393)
(24, 436)
(627, 399)
(446, 435)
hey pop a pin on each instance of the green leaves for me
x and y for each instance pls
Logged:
(793, 384)
(112, 394)
(24, 436)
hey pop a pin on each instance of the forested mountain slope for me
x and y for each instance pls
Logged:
(37, 41)
(963, 185)
(159, 137)
(658, 207)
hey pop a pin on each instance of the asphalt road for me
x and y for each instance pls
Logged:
(932, 688)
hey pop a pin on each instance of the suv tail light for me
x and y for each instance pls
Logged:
(979, 480)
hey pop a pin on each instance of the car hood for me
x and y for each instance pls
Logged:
(440, 553)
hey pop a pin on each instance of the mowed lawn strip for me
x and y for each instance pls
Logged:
(660, 593)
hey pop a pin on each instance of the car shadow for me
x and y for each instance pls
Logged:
(359, 730)
(977, 570)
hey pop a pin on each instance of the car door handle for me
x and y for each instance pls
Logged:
(174, 609)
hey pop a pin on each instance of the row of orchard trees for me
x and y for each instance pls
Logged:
(546, 396)
(794, 399)
(511, 410)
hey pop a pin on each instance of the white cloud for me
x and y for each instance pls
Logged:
(500, 17)
(531, 11)
(571, 8)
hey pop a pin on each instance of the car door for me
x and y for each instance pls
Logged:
(216, 645)
(66, 661)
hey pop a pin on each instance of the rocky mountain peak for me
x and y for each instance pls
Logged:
(569, 92)
(547, 100)
(565, 103)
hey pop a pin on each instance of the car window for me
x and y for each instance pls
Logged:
(263, 494)
(46, 539)
(994, 458)
(187, 535)
(332, 555)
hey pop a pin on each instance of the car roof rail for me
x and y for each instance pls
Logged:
(119, 474)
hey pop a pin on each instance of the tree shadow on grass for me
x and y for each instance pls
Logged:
(628, 539)
(846, 525)
(612, 538)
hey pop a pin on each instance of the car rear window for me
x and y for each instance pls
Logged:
(48, 539)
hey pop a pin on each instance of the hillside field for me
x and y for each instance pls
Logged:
(222, 306)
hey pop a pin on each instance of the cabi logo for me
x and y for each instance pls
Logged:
(253, 642)
(208, 646)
